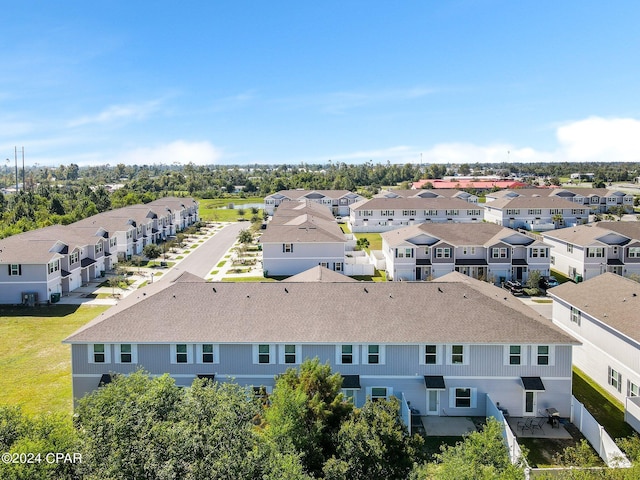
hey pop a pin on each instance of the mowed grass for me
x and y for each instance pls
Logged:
(35, 366)
(375, 240)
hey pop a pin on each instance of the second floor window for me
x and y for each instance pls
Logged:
(543, 355)
(457, 354)
(287, 247)
(15, 269)
(515, 354)
(430, 354)
(499, 252)
(575, 315)
(290, 354)
(595, 252)
(74, 257)
(373, 354)
(98, 248)
(615, 379)
(634, 252)
(347, 355)
(443, 253)
(182, 356)
(99, 353)
(207, 353)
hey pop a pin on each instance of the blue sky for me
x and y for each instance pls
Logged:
(237, 82)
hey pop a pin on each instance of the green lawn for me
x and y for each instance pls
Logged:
(215, 210)
(35, 365)
(375, 240)
(605, 409)
(561, 277)
(344, 227)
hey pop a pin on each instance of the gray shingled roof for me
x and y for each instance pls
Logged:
(610, 298)
(319, 274)
(414, 203)
(459, 310)
(628, 229)
(296, 194)
(306, 222)
(581, 235)
(534, 202)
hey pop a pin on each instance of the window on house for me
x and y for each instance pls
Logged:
(126, 353)
(539, 252)
(99, 354)
(287, 247)
(515, 354)
(462, 398)
(54, 266)
(338, 266)
(473, 212)
(469, 250)
(632, 389)
(207, 353)
(430, 213)
(74, 257)
(379, 393)
(290, 354)
(373, 354)
(452, 212)
(15, 269)
(181, 353)
(499, 252)
(569, 248)
(535, 211)
(443, 253)
(543, 355)
(430, 354)
(634, 252)
(324, 264)
(595, 252)
(615, 379)
(99, 248)
(264, 353)
(575, 315)
(347, 355)
(552, 260)
(457, 354)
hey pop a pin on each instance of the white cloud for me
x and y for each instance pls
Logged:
(179, 151)
(113, 113)
(598, 139)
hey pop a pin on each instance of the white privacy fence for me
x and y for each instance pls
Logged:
(632, 412)
(597, 437)
(405, 412)
(515, 453)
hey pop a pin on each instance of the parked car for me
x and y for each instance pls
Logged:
(514, 287)
(548, 282)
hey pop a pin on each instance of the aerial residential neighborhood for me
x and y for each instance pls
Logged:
(320, 241)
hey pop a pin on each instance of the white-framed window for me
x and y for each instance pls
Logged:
(534, 211)
(126, 353)
(555, 211)
(387, 213)
(338, 267)
(468, 250)
(181, 353)
(350, 395)
(98, 248)
(431, 213)
(463, 397)
(499, 252)
(539, 252)
(373, 354)
(575, 315)
(365, 213)
(615, 379)
(74, 257)
(379, 393)
(287, 247)
(129, 234)
(207, 353)
(633, 252)
(53, 266)
(595, 252)
(473, 213)
(443, 252)
(264, 353)
(552, 260)
(544, 355)
(632, 389)
(513, 211)
(113, 241)
(290, 353)
(569, 248)
(514, 355)
(457, 355)
(430, 354)
(408, 213)
(15, 269)
(346, 354)
(99, 353)
(324, 264)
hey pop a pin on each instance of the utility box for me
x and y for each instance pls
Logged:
(30, 299)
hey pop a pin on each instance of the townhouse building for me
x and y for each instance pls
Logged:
(602, 314)
(42, 264)
(338, 201)
(536, 213)
(302, 235)
(586, 251)
(420, 193)
(384, 214)
(444, 361)
(484, 251)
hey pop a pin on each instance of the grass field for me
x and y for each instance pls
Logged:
(35, 365)
(214, 210)
(375, 240)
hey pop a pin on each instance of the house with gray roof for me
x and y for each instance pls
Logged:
(481, 250)
(602, 314)
(537, 213)
(426, 193)
(382, 214)
(585, 251)
(302, 235)
(443, 346)
(338, 201)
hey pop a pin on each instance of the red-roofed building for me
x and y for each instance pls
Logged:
(465, 183)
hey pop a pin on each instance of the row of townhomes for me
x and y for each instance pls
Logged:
(602, 314)
(338, 201)
(305, 234)
(484, 251)
(444, 361)
(40, 265)
(585, 251)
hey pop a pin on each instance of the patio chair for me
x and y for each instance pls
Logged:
(537, 424)
(525, 425)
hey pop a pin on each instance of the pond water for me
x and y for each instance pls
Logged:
(246, 206)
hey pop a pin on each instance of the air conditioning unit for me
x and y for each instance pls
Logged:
(30, 299)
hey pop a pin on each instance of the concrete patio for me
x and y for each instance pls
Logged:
(545, 430)
(448, 426)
